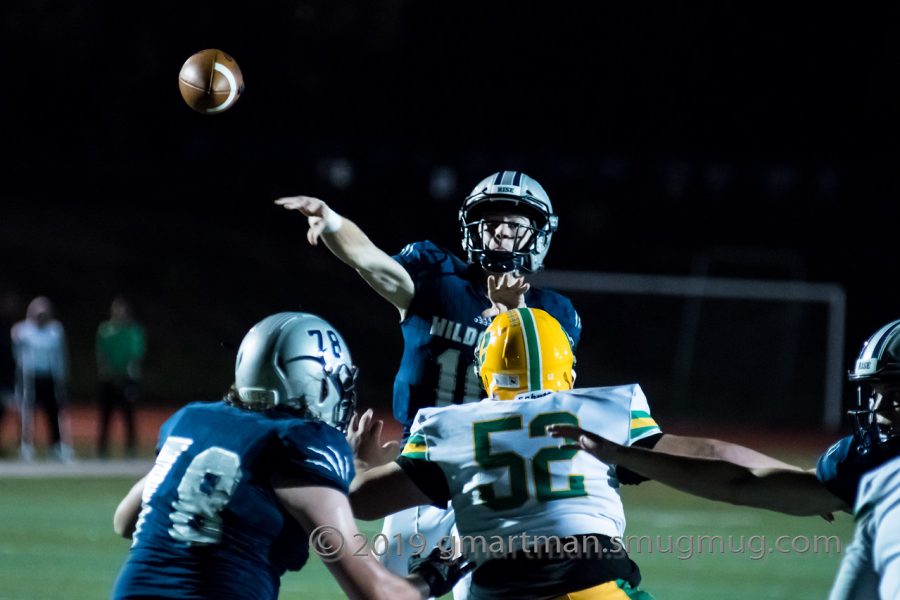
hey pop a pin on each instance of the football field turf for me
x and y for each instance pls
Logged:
(56, 542)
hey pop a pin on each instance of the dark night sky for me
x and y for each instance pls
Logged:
(663, 133)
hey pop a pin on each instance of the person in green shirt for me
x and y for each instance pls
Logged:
(120, 351)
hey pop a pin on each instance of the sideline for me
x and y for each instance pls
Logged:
(19, 469)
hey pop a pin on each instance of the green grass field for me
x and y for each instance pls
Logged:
(56, 542)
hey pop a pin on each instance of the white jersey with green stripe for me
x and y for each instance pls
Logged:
(510, 482)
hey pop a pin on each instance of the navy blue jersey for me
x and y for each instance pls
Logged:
(210, 525)
(442, 325)
(842, 466)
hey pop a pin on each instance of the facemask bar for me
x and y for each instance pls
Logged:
(869, 433)
(527, 239)
(344, 380)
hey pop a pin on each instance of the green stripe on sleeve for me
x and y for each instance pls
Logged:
(642, 430)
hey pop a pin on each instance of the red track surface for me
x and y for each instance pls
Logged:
(784, 442)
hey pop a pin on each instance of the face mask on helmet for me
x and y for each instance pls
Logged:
(524, 350)
(877, 374)
(298, 361)
(507, 223)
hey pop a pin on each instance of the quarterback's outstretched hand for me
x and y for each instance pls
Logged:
(593, 444)
(364, 437)
(505, 292)
(321, 218)
(440, 573)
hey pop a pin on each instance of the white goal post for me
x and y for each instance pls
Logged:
(830, 294)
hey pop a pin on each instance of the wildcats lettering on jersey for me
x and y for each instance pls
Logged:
(454, 331)
(442, 325)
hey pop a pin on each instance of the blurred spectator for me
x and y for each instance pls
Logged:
(120, 350)
(39, 349)
(9, 308)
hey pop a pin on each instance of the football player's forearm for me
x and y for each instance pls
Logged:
(383, 490)
(384, 274)
(361, 577)
(707, 478)
(350, 244)
(710, 448)
(126, 515)
(789, 491)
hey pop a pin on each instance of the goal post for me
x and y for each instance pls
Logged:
(829, 295)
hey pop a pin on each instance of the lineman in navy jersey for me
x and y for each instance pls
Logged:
(239, 485)
(860, 472)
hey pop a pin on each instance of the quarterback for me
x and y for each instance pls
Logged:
(506, 223)
(859, 472)
(509, 481)
(240, 485)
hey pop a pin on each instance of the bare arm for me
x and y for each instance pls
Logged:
(351, 245)
(126, 516)
(326, 514)
(789, 491)
(380, 487)
(717, 449)
(382, 491)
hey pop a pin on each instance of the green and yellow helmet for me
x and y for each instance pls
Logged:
(524, 350)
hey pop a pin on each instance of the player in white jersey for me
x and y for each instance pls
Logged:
(521, 482)
(876, 543)
(859, 472)
(538, 519)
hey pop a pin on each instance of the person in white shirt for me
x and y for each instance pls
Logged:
(42, 372)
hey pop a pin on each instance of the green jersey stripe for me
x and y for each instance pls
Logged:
(641, 430)
(415, 439)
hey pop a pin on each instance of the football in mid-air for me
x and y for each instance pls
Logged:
(210, 81)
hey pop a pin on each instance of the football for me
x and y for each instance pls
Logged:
(210, 81)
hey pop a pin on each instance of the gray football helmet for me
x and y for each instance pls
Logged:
(518, 193)
(297, 360)
(878, 362)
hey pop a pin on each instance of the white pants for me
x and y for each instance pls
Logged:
(408, 530)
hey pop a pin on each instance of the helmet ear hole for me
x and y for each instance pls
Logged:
(323, 394)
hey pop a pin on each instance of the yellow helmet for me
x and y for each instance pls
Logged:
(524, 350)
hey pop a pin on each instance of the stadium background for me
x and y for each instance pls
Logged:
(727, 140)
(731, 141)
